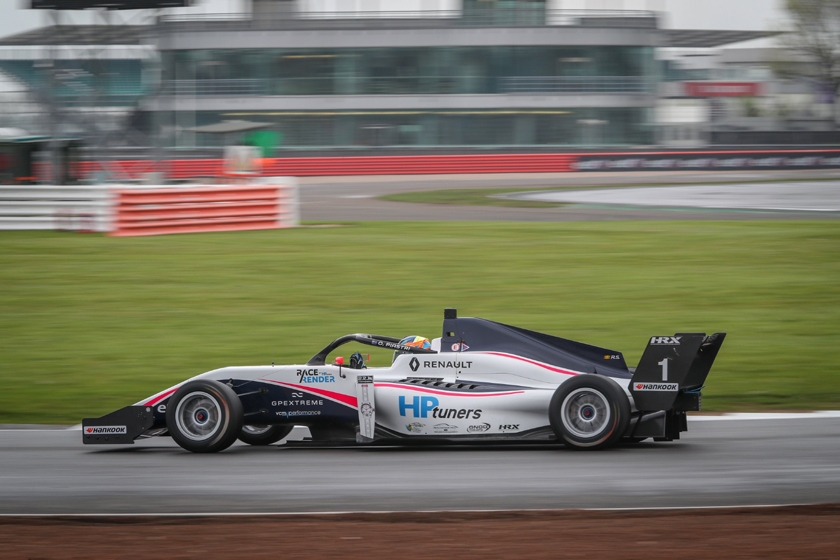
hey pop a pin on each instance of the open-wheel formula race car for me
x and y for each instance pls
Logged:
(481, 381)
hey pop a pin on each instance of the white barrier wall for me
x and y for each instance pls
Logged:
(55, 207)
(93, 207)
(289, 211)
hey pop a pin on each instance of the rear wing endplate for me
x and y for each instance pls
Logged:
(672, 365)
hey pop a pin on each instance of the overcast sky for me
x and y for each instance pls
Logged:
(680, 14)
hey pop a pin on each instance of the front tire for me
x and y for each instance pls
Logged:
(589, 412)
(204, 416)
(263, 435)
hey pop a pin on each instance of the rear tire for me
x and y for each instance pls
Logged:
(589, 412)
(204, 416)
(263, 435)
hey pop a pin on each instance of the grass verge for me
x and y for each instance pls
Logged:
(485, 197)
(473, 197)
(91, 323)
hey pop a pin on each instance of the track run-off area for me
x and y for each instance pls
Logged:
(760, 197)
(605, 196)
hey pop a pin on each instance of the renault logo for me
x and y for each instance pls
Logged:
(414, 364)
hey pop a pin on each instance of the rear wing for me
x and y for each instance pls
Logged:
(672, 366)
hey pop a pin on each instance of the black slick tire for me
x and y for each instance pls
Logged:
(589, 412)
(204, 416)
(263, 435)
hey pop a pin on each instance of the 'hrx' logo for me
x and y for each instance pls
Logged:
(414, 364)
(662, 340)
(504, 427)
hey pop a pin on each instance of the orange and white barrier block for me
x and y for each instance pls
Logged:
(165, 210)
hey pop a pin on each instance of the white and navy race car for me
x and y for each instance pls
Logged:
(481, 381)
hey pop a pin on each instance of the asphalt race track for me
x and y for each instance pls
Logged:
(717, 463)
(355, 198)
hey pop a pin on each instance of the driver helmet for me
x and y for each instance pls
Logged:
(415, 342)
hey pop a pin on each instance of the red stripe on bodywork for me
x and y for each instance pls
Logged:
(447, 393)
(332, 395)
(532, 362)
(156, 399)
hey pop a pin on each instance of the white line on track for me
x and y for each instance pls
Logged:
(392, 512)
(39, 429)
(768, 416)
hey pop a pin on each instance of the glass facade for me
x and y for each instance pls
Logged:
(82, 81)
(621, 71)
(411, 71)
(418, 129)
(504, 12)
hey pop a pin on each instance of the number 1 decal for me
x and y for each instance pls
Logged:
(664, 364)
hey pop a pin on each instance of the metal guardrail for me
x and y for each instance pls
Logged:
(516, 16)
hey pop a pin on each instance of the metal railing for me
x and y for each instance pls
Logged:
(75, 52)
(575, 84)
(245, 86)
(517, 16)
(409, 85)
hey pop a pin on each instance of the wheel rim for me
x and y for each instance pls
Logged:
(256, 430)
(585, 412)
(198, 416)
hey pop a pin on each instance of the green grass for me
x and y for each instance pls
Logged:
(474, 197)
(91, 323)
